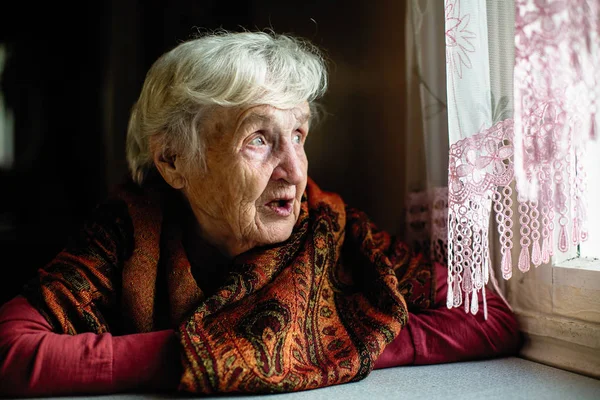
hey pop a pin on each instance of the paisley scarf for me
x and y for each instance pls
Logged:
(313, 311)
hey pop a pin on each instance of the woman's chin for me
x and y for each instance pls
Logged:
(277, 232)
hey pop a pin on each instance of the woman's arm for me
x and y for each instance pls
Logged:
(441, 335)
(34, 361)
(433, 333)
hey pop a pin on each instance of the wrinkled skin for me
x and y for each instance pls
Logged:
(256, 174)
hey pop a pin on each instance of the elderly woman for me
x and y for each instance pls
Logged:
(220, 266)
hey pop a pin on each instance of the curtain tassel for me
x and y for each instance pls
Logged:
(506, 264)
(524, 259)
(536, 254)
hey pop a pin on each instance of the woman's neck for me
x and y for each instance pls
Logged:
(209, 265)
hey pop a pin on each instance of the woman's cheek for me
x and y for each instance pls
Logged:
(251, 171)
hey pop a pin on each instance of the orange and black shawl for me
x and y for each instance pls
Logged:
(313, 311)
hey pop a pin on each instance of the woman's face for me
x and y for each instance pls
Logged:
(256, 175)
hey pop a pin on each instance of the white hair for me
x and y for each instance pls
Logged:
(217, 69)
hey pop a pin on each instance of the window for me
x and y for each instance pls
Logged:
(558, 305)
(590, 249)
(6, 122)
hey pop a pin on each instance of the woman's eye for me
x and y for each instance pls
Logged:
(297, 138)
(259, 141)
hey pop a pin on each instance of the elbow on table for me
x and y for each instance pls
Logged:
(10, 379)
(14, 381)
(20, 338)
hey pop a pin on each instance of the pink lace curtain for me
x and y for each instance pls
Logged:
(523, 101)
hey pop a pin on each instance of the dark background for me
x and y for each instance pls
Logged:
(73, 72)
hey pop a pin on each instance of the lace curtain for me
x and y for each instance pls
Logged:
(522, 102)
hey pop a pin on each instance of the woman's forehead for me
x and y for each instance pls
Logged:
(267, 113)
(233, 118)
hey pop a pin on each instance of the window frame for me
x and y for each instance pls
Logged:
(558, 308)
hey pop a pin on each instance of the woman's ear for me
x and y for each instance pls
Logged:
(171, 169)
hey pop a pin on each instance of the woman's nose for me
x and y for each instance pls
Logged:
(292, 164)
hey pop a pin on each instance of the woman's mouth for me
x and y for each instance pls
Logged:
(281, 207)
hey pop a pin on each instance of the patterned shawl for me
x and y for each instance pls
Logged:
(313, 311)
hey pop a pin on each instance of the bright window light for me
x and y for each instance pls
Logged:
(7, 147)
(591, 247)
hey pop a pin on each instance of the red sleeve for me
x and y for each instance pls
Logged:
(34, 361)
(441, 335)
